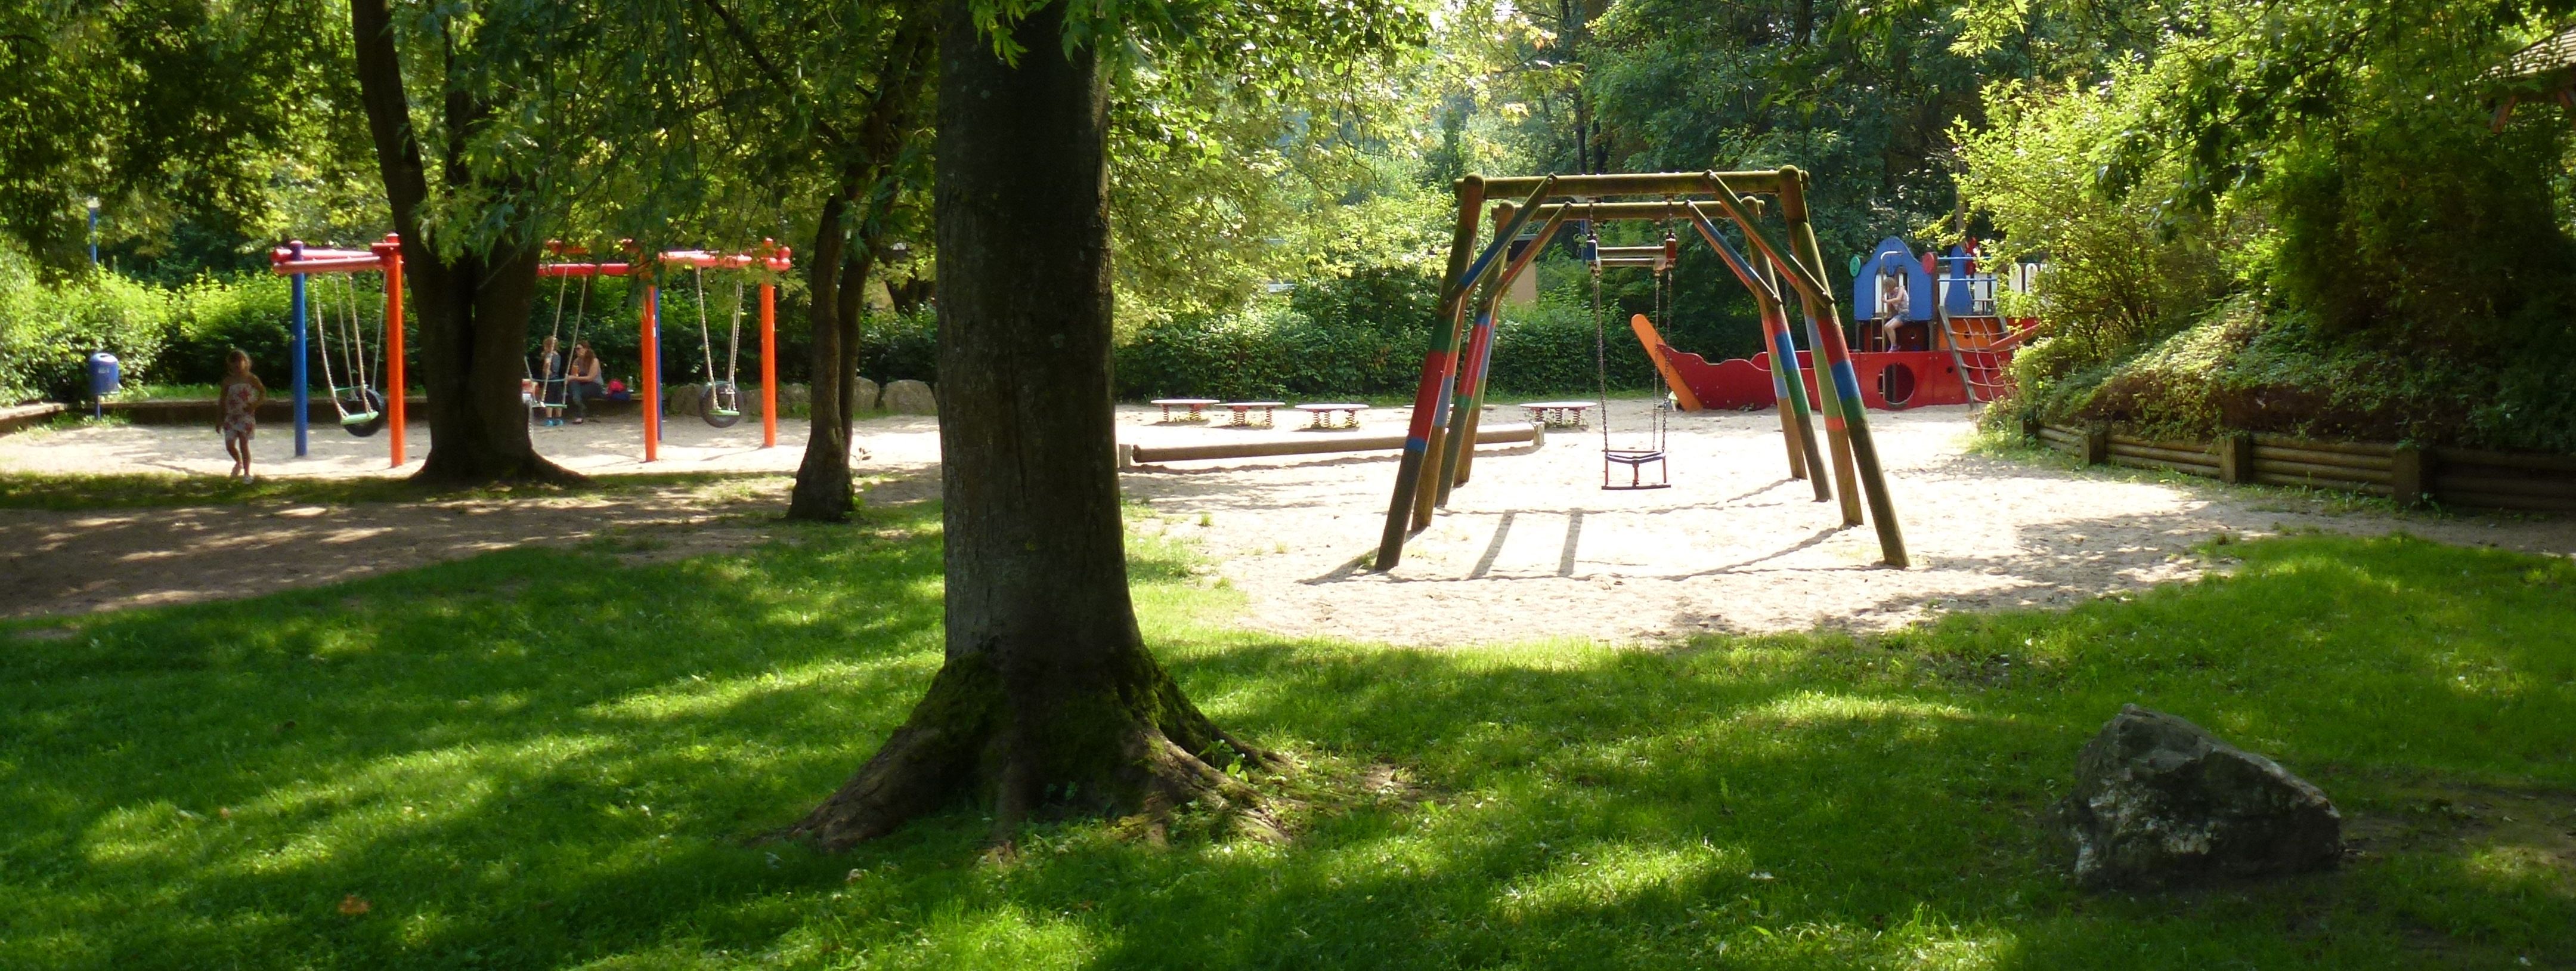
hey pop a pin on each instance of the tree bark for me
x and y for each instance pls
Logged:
(1048, 701)
(822, 491)
(472, 308)
(845, 240)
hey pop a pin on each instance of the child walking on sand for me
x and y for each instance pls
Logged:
(241, 394)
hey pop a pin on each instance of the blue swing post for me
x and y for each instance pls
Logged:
(295, 330)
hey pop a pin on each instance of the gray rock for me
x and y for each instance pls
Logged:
(909, 397)
(2159, 801)
(865, 392)
(680, 399)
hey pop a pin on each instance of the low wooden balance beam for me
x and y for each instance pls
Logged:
(1134, 455)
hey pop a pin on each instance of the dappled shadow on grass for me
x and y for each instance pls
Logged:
(64, 492)
(540, 758)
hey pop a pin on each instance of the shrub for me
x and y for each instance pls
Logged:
(210, 316)
(895, 346)
(2124, 272)
(47, 332)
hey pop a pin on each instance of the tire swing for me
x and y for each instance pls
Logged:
(362, 410)
(720, 402)
(1634, 451)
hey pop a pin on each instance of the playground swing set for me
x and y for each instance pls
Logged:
(1638, 454)
(1453, 376)
(720, 401)
(362, 408)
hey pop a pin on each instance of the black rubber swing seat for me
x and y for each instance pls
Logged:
(362, 413)
(721, 404)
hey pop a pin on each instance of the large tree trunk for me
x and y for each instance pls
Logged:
(1048, 701)
(472, 308)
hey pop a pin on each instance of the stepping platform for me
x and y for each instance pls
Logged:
(1197, 407)
(1246, 411)
(1558, 414)
(1343, 415)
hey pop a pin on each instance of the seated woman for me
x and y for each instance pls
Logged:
(581, 381)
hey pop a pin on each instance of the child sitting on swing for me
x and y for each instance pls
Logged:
(241, 394)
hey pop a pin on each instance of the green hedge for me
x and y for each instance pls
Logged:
(210, 317)
(1276, 350)
(1362, 333)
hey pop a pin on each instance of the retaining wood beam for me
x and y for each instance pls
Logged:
(1316, 445)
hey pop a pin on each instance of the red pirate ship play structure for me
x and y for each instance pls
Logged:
(1928, 331)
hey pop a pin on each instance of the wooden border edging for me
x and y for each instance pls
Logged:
(19, 418)
(2411, 475)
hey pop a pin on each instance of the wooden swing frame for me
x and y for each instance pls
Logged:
(1453, 377)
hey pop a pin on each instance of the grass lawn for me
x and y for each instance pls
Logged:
(539, 758)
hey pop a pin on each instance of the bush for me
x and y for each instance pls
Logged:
(1272, 350)
(2122, 272)
(47, 332)
(211, 316)
(893, 347)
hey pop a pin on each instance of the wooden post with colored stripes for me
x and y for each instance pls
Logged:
(1435, 368)
(1460, 456)
(1480, 271)
(1788, 389)
(1806, 256)
(1805, 460)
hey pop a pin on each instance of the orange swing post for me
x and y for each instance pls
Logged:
(389, 252)
(651, 379)
(768, 365)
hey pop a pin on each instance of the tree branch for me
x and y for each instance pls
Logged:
(388, 108)
(751, 49)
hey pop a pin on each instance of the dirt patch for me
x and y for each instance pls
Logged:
(81, 562)
(1531, 549)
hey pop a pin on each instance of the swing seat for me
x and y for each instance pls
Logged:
(1636, 459)
(362, 410)
(720, 403)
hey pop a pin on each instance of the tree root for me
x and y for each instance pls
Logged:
(960, 746)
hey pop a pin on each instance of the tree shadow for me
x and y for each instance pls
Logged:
(541, 758)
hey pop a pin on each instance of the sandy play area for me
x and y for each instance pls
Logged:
(1532, 548)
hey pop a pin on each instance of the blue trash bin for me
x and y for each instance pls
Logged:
(105, 378)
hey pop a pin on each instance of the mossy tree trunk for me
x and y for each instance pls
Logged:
(1048, 702)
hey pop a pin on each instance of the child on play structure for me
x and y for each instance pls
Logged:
(582, 382)
(241, 394)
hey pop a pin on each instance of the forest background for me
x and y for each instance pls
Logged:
(2289, 216)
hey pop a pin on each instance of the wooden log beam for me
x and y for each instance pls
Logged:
(1316, 445)
(1767, 181)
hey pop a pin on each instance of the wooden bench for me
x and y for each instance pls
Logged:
(1325, 415)
(1243, 413)
(1557, 414)
(1197, 407)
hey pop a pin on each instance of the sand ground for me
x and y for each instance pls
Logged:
(1531, 548)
